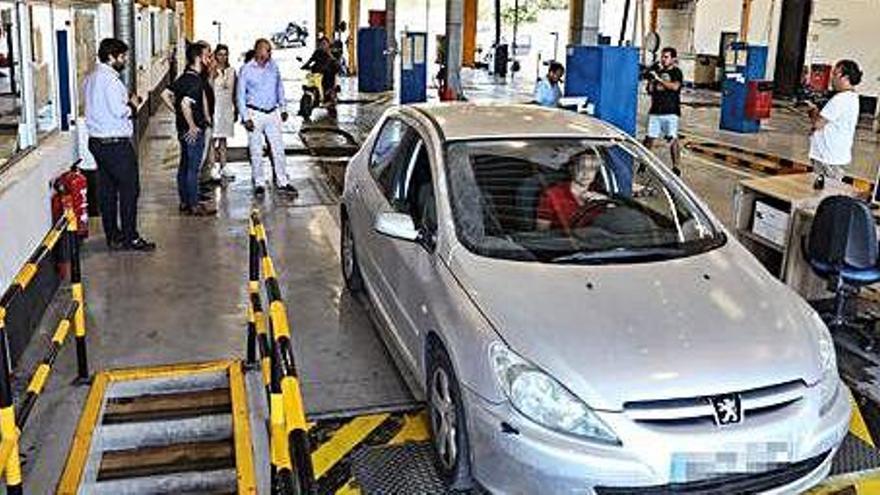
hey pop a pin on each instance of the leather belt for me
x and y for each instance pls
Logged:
(110, 140)
(261, 110)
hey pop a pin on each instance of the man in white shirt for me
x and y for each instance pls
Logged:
(109, 113)
(834, 127)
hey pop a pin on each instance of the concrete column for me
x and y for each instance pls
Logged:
(454, 32)
(469, 42)
(190, 19)
(123, 29)
(391, 33)
(584, 24)
(354, 21)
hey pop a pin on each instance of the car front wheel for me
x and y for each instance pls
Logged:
(448, 426)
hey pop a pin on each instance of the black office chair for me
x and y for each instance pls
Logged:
(842, 248)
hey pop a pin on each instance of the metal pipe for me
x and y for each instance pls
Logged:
(623, 24)
(123, 29)
(391, 39)
(454, 27)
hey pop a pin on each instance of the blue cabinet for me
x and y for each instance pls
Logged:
(372, 61)
(609, 77)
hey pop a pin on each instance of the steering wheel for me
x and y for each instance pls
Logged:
(585, 215)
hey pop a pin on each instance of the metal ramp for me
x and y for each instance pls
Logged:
(169, 429)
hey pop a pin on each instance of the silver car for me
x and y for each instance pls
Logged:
(577, 318)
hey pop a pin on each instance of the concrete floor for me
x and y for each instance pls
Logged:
(186, 302)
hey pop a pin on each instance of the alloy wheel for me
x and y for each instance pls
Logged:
(444, 419)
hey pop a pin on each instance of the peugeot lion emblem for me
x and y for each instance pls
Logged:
(727, 409)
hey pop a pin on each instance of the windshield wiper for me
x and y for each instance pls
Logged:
(618, 254)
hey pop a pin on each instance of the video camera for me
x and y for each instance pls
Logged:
(646, 70)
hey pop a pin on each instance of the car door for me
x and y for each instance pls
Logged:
(373, 195)
(417, 283)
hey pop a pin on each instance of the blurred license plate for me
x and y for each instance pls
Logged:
(752, 458)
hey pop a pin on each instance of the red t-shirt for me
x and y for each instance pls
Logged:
(557, 205)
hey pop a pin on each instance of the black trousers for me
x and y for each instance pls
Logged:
(118, 188)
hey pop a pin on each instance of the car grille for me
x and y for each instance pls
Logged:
(728, 484)
(697, 410)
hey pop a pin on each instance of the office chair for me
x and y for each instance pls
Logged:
(842, 248)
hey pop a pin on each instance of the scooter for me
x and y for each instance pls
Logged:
(313, 95)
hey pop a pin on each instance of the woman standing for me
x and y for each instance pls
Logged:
(225, 113)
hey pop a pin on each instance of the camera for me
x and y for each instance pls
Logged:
(646, 70)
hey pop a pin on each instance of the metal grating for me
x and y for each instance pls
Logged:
(853, 456)
(407, 468)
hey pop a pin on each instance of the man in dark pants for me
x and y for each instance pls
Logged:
(109, 111)
(187, 97)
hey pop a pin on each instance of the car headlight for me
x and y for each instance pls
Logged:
(541, 398)
(830, 381)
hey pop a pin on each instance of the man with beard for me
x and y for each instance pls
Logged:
(109, 113)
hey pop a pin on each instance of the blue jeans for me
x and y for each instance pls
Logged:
(188, 170)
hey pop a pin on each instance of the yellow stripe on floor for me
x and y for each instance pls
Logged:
(862, 483)
(343, 441)
(857, 425)
(349, 489)
(415, 429)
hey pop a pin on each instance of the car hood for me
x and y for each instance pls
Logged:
(704, 325)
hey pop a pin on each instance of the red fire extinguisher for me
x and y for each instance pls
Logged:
(71, 191)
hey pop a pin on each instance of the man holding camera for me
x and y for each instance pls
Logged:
(664, 86)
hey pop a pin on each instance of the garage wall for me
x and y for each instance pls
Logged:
(25, 214)
(853, 37)
(714, 16)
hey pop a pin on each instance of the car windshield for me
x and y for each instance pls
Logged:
(571, 201)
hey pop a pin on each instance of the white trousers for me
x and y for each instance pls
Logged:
(268, 124)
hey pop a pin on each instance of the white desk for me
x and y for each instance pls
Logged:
(794, 194)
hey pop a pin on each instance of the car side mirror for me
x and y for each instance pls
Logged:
(397, 226)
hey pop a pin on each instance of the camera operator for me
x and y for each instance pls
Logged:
(664, 86)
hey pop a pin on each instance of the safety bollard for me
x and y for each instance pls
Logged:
(284, 366)
(253, 288)
(76, 290)
(12, 467)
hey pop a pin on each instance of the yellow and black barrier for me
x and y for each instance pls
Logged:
(10, 424)
(41, 373)
(291, 452)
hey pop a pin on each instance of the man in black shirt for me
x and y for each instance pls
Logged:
(664, 86)
(187, 97)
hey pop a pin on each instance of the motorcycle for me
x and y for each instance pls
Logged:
(313, 95)
(294, 36)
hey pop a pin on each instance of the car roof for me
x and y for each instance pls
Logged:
(468, 121)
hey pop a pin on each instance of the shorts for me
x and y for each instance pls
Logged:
(663, 126)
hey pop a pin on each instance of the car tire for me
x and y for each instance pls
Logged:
(448, 426)
(351, 270)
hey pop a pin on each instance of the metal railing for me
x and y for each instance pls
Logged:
(291, 461)
(11, 423)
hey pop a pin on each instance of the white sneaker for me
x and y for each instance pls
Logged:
(227, 174)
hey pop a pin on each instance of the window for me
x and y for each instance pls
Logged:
(390, 155)
(418, 191)
(571, 201)
(43, 68)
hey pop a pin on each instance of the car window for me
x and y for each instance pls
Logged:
(417, 190)
(390, 156)
(571, 201)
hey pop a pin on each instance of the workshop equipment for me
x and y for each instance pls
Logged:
(746, 98)
(414, 68)
(609, 77)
